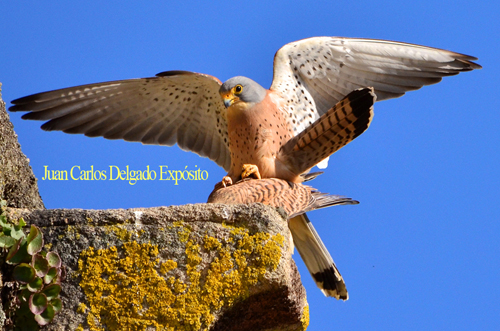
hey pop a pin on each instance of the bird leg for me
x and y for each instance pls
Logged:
(225, 182)
(250, 170)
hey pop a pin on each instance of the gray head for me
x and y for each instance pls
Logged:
(241, 88)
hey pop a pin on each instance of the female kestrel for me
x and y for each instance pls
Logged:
(296, 200)
(239, 122)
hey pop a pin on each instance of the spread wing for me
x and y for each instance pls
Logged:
(336, 128)
(314, 74)
(173, 107)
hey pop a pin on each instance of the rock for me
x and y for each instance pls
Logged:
(191, 267)
(17, 181)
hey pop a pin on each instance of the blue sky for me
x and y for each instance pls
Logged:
(421, 250)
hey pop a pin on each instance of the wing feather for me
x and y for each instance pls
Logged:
(314, 74)
(173, 107)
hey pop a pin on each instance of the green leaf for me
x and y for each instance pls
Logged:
(6, 241)
(16, 232)
(25, 320)
(51, 274)
(35, 285)
(35, 240)
(53, 259)
(25, 295)
(52, 291)
(57, 304)
(24, 273)
(38, 303)
(46, 316)
(17, 252)
(40, 264)
(3, 220)
(6, 226)
(18, 227)
(22, 223)
(13, 250)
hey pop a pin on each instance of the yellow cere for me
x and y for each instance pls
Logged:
(129, 288)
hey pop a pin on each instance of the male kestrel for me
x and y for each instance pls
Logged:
(239, 122)
(295, 199)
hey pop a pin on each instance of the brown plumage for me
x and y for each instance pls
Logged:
(296, 200)
(202, 115)
(337, 127)
(275, 151)
(256, 134)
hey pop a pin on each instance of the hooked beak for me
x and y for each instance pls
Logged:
(229, 99)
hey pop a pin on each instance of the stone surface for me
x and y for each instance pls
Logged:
(192, 267)
(17, 181)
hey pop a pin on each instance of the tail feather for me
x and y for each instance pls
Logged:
(310, 176)
(322, 200)
(337, 127)
(317, 258)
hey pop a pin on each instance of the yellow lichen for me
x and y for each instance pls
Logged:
(81, 308)
(184, 231)
(211, 243)
(304, 320)
(119, 231)
(168, 266)
(79, 328)
(71, 232)
(128, 288)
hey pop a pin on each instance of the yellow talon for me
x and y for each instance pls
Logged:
(227, 181)
(250, 170)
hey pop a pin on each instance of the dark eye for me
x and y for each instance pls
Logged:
(238, 89)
